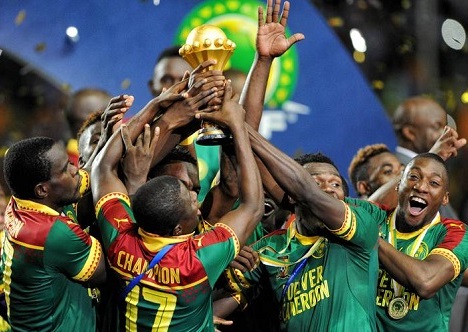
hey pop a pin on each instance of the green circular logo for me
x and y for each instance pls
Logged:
(422, 251)
(238, 20)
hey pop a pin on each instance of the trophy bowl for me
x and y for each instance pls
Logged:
(203, 43)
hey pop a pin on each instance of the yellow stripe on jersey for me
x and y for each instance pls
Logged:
(451, 257)
(154, 242)
(91, 263)
(24, 244)
(8, 251)
(159, 286)
(348, 228)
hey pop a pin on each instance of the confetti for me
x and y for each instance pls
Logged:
(20, 17)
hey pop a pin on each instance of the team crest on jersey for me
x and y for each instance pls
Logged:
(422, 251)
(321, 250)
(283, 272)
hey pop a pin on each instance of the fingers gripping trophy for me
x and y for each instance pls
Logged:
(203, 43)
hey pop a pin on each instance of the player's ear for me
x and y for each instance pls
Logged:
(446, 199)
(363, 188)
(177, 230)
(41, 190)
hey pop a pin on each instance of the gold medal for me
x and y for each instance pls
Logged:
(397, 308)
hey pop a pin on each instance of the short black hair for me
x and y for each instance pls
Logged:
(157, 205)
(26, 165)
(321, 158)
(178, 154)
(314, 158)
(169, 52)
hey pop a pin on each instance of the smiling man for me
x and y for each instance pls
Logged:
(422, 255)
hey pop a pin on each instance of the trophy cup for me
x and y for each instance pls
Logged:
(203, 43)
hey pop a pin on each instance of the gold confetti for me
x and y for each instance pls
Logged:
(335, 22)
(125, 84)
(20, 17)
(66, 87)
(40, 47)
(378, 84)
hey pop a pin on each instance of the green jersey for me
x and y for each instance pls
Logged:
(46, 259)
(208, 161)
(446, 237)
(335, 288)
(208, 167)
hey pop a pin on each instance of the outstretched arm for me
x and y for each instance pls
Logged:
(112, 116)
(243, 219)
(137, 158)
(177, 121)
(448, 144)
(271, 43)
(426, 276)
(298, 183)
(104, 175)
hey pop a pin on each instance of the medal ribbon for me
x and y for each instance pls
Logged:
(278, 263)
(392, 239)
(296, 270)
(291, 233)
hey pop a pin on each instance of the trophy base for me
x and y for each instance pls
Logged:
(213, 136)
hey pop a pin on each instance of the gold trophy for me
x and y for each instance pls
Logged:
(203, 43)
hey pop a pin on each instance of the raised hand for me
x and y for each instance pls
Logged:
(230, 114)
(271, 38)
(137, 159)
(448, 144)
(169, 96)
(111, 118)
(114, 114)
(211, 79)
(183, 111)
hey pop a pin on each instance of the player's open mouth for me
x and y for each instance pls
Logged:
(417, 205)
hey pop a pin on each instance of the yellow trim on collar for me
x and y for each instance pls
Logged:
(155, 242)
(25, 204)
(306, 240)
(407, 236)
